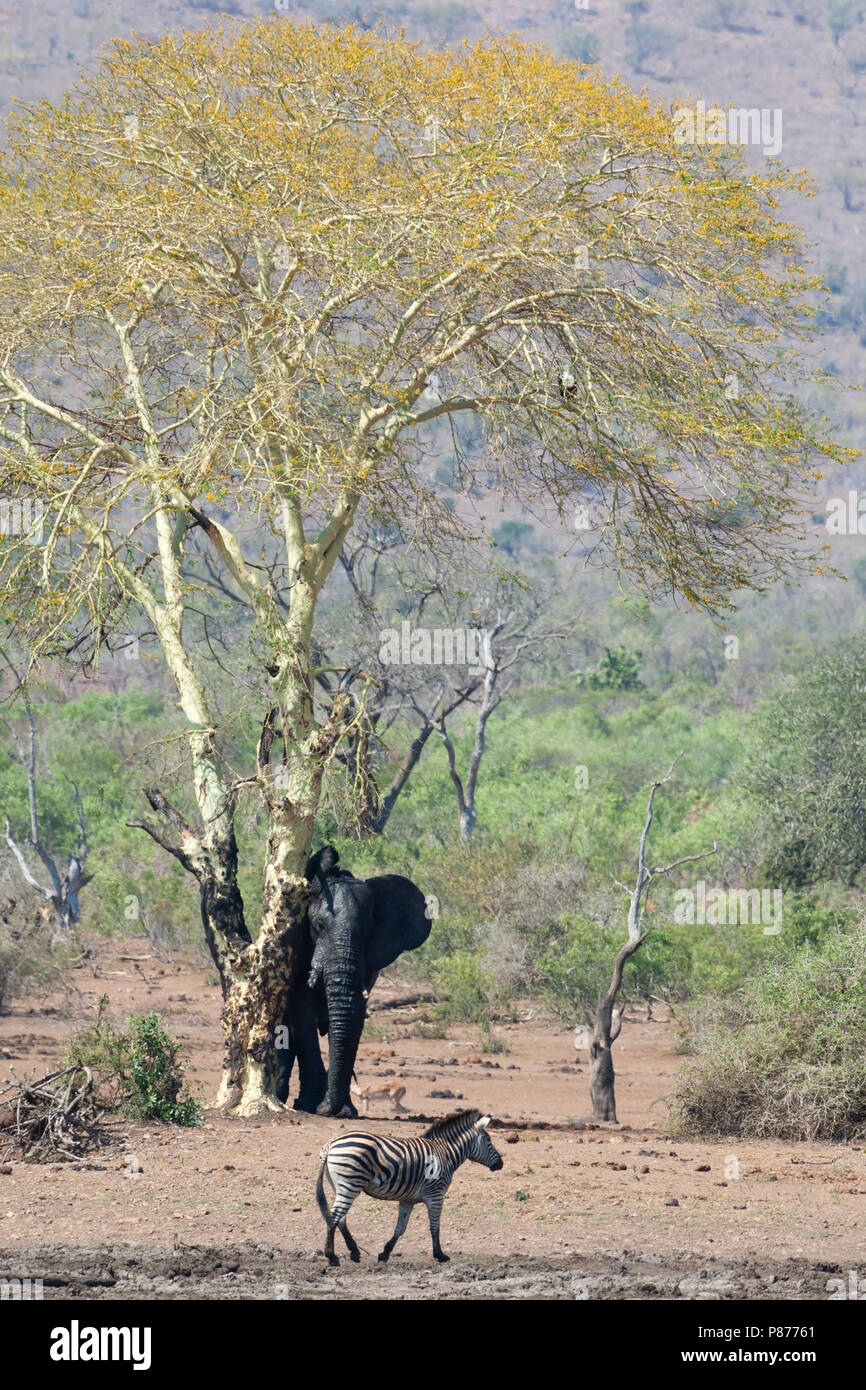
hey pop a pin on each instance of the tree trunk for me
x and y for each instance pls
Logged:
(608, 1024)
(401, 777)
(601, 1073)
(258, 974)
(222, 907)
(254, 1007)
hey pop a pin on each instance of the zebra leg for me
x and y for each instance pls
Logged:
(329, 1243)
(337, 1217)
(434, 1212)
(354, 1252)
(402, 1222)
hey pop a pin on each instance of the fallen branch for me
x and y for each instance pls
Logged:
(403, 1001)
(52, 1118)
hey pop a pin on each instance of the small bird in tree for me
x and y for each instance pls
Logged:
(567, 384)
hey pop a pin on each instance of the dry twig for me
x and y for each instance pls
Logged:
(51, 1119)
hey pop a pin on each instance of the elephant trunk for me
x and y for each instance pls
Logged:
(347, 1008)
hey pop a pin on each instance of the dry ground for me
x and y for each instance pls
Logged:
(578, 1211)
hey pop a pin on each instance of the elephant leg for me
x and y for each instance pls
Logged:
(346, 1014)
(285, 1063)
(337, 1110)
(313, 1078)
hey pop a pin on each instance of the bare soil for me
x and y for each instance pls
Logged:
(579, 1210)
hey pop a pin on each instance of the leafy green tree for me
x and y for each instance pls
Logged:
(646, 41)
(840, 16)
(617, 670)
(804, 772)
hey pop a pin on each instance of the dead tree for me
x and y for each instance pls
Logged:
(60, 896)
(608, 1018)
(443, 705)
(498, 658)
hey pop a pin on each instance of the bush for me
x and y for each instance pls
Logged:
(156, 1074)
(105, 1051)
(513, 536)
(465, 990)
(445, 21)
(618, 670)
(646, 41)
(139, 1070)
(786, 1058)
(28, 961)
(724, 14)
(576, 966)
(807, 745)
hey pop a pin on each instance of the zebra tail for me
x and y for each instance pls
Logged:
(320, 1190)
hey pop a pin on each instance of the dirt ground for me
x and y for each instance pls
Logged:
(578, 1211)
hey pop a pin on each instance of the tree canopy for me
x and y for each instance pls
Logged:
(248, 267)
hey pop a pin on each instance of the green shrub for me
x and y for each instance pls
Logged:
(492, 1042)
(646, 41)
(786, 1057)
(723, 14)
(464, 990)
(29, 961)
(576, 965)
(513, 536)
(432, 1031)
(156, 1074)
(617, 670)
(105, 1051)
(138, 1070)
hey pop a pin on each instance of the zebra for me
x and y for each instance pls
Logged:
(407, 1171)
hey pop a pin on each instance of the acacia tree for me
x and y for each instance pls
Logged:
(242, 270)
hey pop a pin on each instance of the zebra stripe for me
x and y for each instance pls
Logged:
(407, 1171)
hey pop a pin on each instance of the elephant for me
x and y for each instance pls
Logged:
(355, 928)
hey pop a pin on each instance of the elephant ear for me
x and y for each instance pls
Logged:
(400, 920)
(323, 862)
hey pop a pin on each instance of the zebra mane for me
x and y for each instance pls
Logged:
(451, 1125)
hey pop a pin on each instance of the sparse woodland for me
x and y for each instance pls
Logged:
(446, 340)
